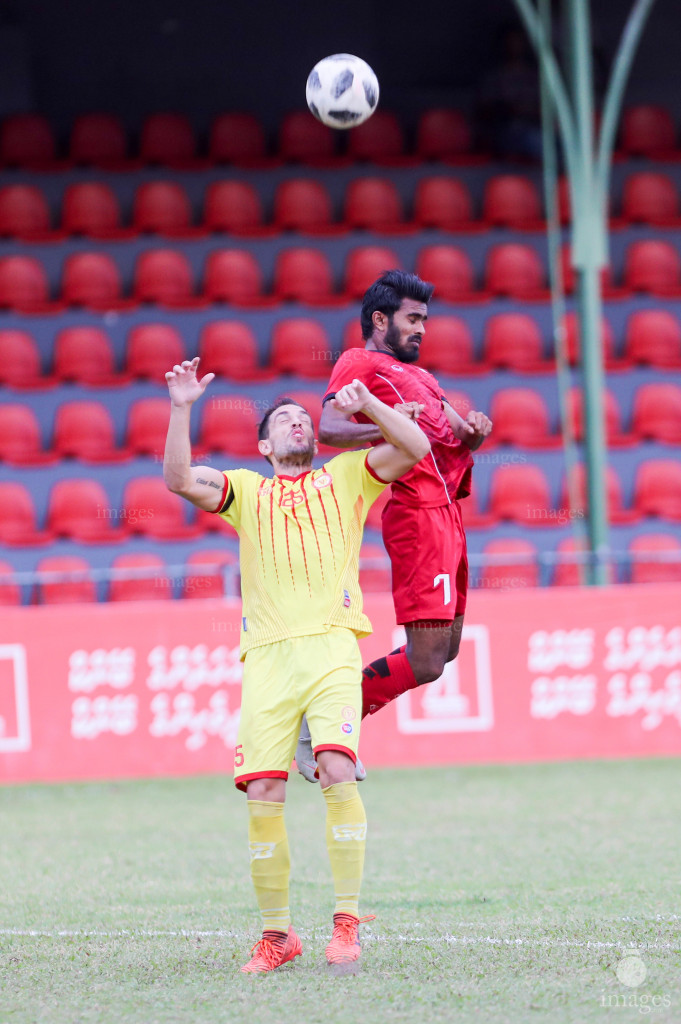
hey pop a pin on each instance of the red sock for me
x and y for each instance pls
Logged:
(386, 679)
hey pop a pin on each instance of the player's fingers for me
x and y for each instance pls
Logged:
(170, 376)
(177, 368)
(205, 381)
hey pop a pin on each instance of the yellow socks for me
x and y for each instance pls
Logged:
(270, 862)
(346, 829)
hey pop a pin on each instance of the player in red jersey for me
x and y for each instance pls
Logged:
(422, 528)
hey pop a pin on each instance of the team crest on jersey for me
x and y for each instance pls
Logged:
(264, 490)
(346, 599)
(323, 480)
(400, 369)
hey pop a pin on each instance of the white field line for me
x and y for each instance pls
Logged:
(367, 936)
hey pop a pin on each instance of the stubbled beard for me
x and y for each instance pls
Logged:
(392, 341)
(295, 456)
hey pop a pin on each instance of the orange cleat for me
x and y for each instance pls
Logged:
(273, 950)
(344, 947)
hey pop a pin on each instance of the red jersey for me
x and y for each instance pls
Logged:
(444, 474)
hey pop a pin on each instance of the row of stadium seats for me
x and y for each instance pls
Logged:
(81, 509)
(370, 203)
(302, 346)
(169, 138)
(228, 423)
(510, 563)
(165, 276)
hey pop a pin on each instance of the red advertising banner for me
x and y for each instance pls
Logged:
(109, 691)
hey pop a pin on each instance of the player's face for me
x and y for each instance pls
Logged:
(290, 436)
(405, 332)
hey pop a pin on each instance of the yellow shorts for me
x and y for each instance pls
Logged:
(320, 676)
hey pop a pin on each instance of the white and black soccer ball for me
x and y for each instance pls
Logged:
(342, 91)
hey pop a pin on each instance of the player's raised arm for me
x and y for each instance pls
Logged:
(406, 444)
(202, 485)
(337, 429)
(473, 430)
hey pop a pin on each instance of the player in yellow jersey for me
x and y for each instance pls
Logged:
(299, 539)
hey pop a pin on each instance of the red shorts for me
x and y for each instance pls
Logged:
(427, 549)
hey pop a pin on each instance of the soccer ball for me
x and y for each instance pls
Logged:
(342, 91)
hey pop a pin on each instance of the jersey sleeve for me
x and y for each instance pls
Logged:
(351, 364)
(358, 475)
(237, 482)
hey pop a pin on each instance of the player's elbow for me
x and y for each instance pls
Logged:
(420, 448)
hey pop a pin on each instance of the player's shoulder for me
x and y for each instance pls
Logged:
(345, 463)
(245, 479)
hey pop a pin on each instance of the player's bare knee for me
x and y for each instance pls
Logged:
(334, 766)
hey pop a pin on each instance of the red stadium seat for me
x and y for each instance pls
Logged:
(647, 130)
(162, 207)
(513, 341)
(443, 134)
(168, 139)
(305, 140)
(655, 558)
(571, 568)
(237, 138)
(657, 413)
(140, 577)
(85, 430)
(576, 499)
(303, 204)
(203, 582)
(512, 565)
(447, 347)
(375, 575)
(152, 350)
(364, 264)
(373, 204)
(616, 437)
(450, 270)
(20, 440)
(18, 518)
(650, 198)
(521, 494)
(230, 424)
(85, 355)
(234, 206)
(23, 285)
(653, 338)
(521, 417)
(653, 266)
(515, 270)
(67, 581)
(512, 201)
(20, 361)
(380, 140)
(165, 276)
(147, 427)
(153, 511)
(304, 275)
(27, 140)
(573, 344)
(657, 489)
(10, 591)
(301, 347)
(91, 208)
(81, 510)
(352, 335)
(98, 140)
(24, 213)
(235, 276)
(229, 349)
(444, 203)
(92, 279)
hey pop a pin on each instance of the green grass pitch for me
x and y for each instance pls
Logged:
(501, 894)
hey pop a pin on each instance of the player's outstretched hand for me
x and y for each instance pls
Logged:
(480, 427)
(412, 410)
(353, 397)
(183, 384)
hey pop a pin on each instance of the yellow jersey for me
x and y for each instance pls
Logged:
(299, 541)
